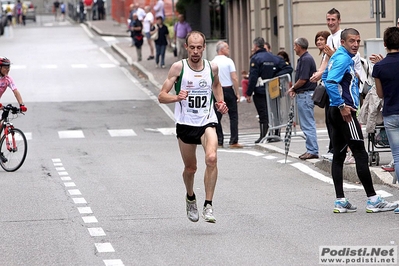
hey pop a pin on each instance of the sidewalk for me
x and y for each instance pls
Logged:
(247, 113)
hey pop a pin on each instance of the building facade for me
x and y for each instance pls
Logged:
(280, 22)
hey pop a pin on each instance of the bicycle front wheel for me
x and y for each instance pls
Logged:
(13, 149)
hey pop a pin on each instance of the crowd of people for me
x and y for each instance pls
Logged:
(198, 115)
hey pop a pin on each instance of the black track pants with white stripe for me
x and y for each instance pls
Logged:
(348, 135)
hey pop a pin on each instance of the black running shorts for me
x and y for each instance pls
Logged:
(191, 134)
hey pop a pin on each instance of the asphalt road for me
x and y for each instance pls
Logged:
(102, 181)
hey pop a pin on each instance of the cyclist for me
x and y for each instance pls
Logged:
(5, 82)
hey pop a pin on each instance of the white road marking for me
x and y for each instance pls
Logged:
(57, 164)
(107, 65)
(65, 178)
(254, 153)
(49, 66)
(96, 231)
(14, 67)
(60, 169)
(71, 134)
(28, 135)
(110, 57)
(116, 262)
(79, 66)
(270, 157)
(79, 200)
(62, 173)
(153, 97)
(69, 184)
(86, 29)
(104, 247)
(85, 210)
(383, 193)
(89, 219)
(121, 132)
(307, 170)
(57, 160)
(110, 39)
(74, 192)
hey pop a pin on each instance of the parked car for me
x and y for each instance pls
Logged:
(31, 12)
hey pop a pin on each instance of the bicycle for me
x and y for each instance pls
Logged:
(13, 143)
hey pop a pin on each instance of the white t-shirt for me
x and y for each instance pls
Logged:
(140, 13)
(148, 20)
(334, 41)
(226, 66)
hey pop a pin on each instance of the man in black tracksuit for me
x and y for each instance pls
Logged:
(265, 65)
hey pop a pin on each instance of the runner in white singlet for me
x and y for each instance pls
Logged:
(197, 89)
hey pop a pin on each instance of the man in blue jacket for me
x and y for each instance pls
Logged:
(342, 88)
(263, 65)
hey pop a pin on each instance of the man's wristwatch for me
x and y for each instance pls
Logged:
(341, 106)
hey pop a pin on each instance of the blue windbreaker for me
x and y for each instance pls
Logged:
(340, 79)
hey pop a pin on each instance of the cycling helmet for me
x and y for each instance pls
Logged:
(4, 61)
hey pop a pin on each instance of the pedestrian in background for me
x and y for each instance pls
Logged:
(100, 4)
(182, 29)
(285, 56)
(136, 28)
(303, 90)
(159, 9)
(147, 25)
(161, 43)
(320, 41)
(89, 9)
(196, 119)
(263, 65)
(342, 87)
(229, 81)
(333, 19)
(81, 11)
(385, 73)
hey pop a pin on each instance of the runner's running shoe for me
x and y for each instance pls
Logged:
(396, 211)
(207, 214)
(342, 206)
(380, 205)
(192, 211)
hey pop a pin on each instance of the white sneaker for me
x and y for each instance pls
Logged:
(192, 211)
(380, 205)
(328, 156)
(207, 214)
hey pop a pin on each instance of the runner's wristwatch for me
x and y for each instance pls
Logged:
(341, 106)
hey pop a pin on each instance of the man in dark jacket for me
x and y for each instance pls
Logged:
(263, 65)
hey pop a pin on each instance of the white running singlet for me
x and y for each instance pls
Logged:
(197, 109)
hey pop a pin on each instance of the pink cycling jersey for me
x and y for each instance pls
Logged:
(5, 82)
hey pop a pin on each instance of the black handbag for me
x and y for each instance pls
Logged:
(320, 96)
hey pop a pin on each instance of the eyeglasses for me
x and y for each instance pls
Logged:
(6, 67)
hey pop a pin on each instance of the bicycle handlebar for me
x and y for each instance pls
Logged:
(13, 109)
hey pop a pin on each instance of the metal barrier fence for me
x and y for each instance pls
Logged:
(278, 105)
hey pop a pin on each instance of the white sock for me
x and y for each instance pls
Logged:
(373, 198)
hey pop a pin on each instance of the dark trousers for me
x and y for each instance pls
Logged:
(344, 135)
(261, 107)
(329, 126)
(231, 101)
